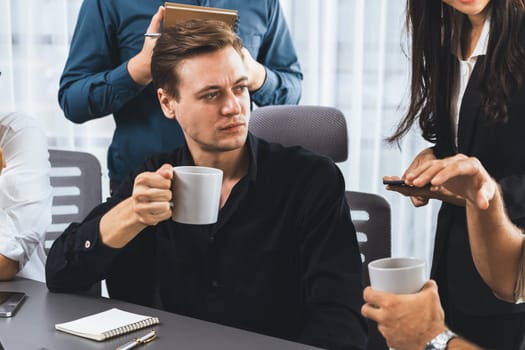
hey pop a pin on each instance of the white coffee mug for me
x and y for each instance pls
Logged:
(397, 275)
(196, 194)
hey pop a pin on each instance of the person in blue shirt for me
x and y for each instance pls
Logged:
(108, 71)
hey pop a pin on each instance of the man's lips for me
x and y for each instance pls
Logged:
(232, 126)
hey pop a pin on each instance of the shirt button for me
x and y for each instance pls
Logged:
(87, 244)
(212, 238)
(214, 284)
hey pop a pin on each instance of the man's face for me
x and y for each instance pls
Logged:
(214, 104)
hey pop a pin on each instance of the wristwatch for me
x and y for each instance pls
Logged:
(441, 340)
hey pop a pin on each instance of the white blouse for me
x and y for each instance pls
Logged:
(25, 194)
(465, 72)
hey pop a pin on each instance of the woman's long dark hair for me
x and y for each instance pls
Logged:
(433, 27)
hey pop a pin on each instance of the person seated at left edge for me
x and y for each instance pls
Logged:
(25, 197)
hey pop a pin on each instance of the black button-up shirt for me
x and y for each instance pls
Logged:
(282, 259)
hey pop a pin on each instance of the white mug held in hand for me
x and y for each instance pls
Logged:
(397, 275)
(196, 194)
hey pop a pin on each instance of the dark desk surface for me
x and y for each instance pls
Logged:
(33, 326)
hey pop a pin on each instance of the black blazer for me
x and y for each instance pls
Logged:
(501, 149)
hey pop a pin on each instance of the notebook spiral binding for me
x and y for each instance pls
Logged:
(131, 327)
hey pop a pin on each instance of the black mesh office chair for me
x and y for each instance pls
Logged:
(323, 130)
(76, 181)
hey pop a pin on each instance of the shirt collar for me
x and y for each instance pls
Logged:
(253, 148)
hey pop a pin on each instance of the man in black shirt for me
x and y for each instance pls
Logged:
(282, 259)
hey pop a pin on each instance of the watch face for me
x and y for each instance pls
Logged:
(440, 341)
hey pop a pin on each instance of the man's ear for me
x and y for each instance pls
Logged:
(166, 103)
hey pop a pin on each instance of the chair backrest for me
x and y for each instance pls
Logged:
(371, 218)
(317, 128)
(323, 130)
(76, 180)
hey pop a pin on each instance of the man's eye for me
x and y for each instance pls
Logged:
(211, 95)
(241, 88)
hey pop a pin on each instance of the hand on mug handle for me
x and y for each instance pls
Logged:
(152, 195)
(407, 321)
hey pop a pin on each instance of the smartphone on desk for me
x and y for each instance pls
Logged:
(10, 302)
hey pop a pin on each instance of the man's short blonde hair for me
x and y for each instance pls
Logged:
(186, 40)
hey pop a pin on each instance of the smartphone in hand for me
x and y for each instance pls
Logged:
(394, 182)
(403, 184)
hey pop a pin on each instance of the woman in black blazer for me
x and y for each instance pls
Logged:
(468, 96)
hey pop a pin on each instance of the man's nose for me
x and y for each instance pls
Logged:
(231, 104)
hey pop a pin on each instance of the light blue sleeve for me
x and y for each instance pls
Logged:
(95, 81)
(283, 72)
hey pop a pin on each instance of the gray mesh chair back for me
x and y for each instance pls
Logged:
(371, 218)
(76, 179)
(323, 130)
(317, 128)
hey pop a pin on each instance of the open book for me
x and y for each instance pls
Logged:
(177, 13)
(107, 324)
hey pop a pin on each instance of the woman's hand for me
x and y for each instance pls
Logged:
(418, 178)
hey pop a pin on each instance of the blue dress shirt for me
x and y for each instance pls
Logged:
(96, 82)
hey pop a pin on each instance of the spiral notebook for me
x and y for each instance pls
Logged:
(107, 324)
(177, 13)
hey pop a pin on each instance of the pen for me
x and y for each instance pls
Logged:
(146, 338)
(152, 35)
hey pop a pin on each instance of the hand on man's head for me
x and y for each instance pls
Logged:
(152, 195)
(139, 66)
(256, 71)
